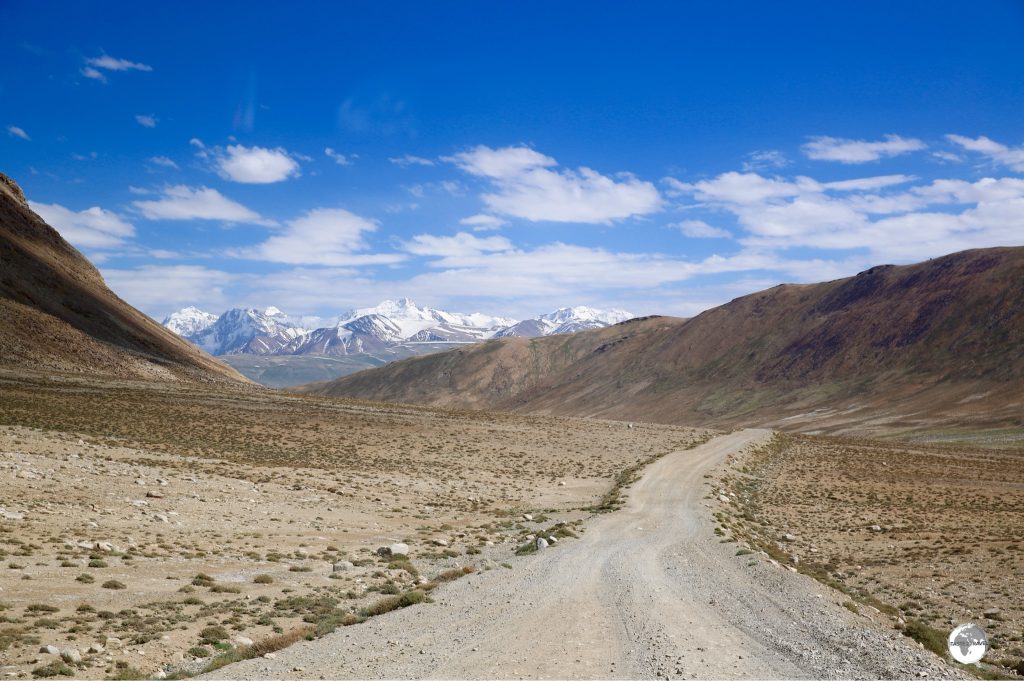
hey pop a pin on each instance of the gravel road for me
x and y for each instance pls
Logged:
(648, 591)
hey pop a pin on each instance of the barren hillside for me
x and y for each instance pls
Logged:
(893, 349)
(57, 314)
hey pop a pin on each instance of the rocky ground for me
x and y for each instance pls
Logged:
(650, 591)
(148, 530)
(922, 537)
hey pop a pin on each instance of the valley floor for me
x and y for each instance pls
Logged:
(164, 524)
(648, 592)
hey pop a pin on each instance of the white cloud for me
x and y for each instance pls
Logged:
(96, 65)
(90, 72)
(867, 214)
(15, 131)
(163, 161)
(323, 236)
(698, 229)
(528, 185)
(255, 165)
(90, 228)
(340, 159)
(947, 156)
(460, 244)
(146, 120)
(481, 222)
(763, 160)
(181, 202)
(859, 151)
(150, 287)
(109, 63)
(410, 160)
(1011, 157)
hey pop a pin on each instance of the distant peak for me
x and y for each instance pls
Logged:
(272, 311)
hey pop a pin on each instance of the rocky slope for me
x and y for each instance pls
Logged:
(57, 314)
(918, 347)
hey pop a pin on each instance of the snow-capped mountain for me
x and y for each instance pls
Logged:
(189, 321)
(368, 330)
(248, 331)
(565, 320)
(427, 324)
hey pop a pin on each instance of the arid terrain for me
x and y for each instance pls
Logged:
(162, 524)
(893, 350)
(923, 537)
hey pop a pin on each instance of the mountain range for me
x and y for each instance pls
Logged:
(935, 345)
(367, 330)
(57, 314)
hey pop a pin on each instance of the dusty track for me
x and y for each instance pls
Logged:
(648, 591)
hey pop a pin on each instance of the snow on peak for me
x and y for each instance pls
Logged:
(189, 321)
(273, 312)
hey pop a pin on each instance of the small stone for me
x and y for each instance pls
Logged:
(440, 542)
(342, 566)
(12, 515)
(95, 649)
(789, 537)
(50, 650)
(269, 656)
(243, 640)
(71, 655)
(724, 499)
(875, 528)
(155, 494)
(527, 516)
(991, 612)
(542, 543)
(399, 549)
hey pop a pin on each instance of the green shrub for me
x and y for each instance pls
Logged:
(113, 584)
(263, 579)
(55, 668)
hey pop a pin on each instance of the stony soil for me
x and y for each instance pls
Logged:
(155, 486)
(648, 591)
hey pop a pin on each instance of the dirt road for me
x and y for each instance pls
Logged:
(648, 591)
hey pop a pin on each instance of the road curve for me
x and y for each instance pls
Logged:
(648, 591)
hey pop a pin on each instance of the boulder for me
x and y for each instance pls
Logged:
(155, 494)
(243, 641)
(527, 516)
(789, 537)
(71, 655)
(541, 543)
(399, 549)
(342, 566)
(95, 649)
(50, 650)
(440, 542)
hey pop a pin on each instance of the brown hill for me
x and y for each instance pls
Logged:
(930, 346)
(57, 314)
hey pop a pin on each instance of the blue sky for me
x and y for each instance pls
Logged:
(511, 157)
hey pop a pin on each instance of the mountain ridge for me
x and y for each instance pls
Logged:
(58, 314)
(892, 347)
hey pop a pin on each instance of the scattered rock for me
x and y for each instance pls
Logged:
(527, 516)
(991, 612)
(12, 515)
(875, 528)
(789, 537)
(155, 494)
(542, 543)
(96, 649)
(71, 655)
(342, 566)
(50, 650)
(724, 499)
(399, 549)
(440, 542)
(243, 640)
